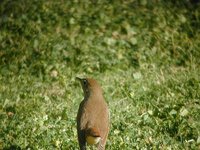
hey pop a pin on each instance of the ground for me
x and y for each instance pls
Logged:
(145, 54)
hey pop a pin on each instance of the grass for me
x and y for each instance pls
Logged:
(145, 55)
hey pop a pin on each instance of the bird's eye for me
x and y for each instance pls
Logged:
(84, 81)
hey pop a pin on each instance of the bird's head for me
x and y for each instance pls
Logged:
(89, 86)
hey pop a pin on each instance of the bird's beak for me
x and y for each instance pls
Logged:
(77, 78)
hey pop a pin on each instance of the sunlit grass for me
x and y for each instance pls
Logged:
(144, 54)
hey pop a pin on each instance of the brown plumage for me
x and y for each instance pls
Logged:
(93, 116)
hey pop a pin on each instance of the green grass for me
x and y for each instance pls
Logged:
(144, 53)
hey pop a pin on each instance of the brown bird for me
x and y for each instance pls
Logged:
(93, 116)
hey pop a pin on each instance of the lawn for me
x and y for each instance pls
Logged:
(144, 53)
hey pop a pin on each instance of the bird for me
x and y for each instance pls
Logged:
(93, 116)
